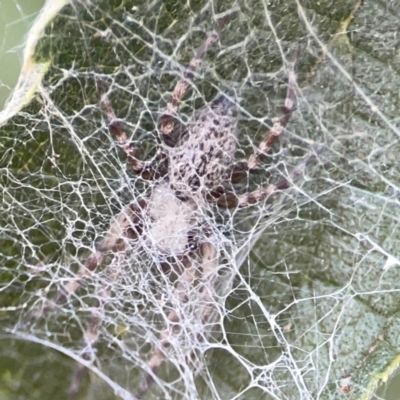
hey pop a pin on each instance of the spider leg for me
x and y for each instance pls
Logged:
(230, 200)
(91, 334)
(167, 125)
(210, 258)
(171, 324)
(125, 227)
(279, 123)
(209, 263)
(241, 169)
(145, 169)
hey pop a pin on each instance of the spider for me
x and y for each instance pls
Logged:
(194, 167)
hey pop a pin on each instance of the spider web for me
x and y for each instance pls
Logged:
(306, 294)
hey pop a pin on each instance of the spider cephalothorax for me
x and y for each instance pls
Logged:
(203, 158)
(195, 166)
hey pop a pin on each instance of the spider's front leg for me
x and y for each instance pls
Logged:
(167, 124)
(145, 169)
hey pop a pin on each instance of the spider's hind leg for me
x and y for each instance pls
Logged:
(175, 320)
(127, 226)
(91, 334)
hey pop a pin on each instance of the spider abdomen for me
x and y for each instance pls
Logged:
(170, 222)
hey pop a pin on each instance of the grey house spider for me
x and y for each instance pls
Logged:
(194, 167)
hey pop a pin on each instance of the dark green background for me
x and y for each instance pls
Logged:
(318, 265)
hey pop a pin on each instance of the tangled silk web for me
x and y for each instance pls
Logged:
(305, 302)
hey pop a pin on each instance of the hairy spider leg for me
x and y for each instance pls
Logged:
(147, 170)
(231, 200)
(171, 322)
(91, 335)
(279, 124)
(209, 264)
(167, 124)
(241, 169)
(125, 228)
